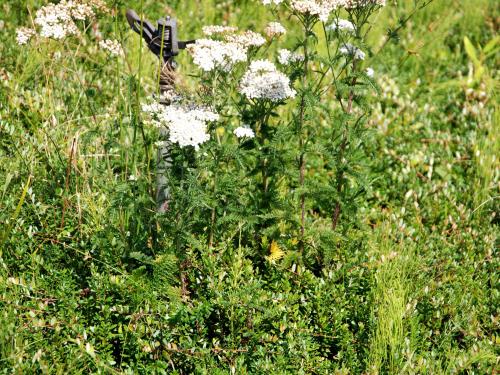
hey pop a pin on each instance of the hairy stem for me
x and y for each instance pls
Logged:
(302, 157)
(213, 213)
(343, 145)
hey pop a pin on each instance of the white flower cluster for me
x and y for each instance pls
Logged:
(286, 57)
(113, 47)
(55, 21)
(247, 39)
(24, 34)
(217, 29)
(342, 25)
(263, 81)
(320, 8)
(355, 52)
(187, 125)
(274, 29)
(211, 54)
(323, 8)
(58, 20)
(244, 132)
(370, 72)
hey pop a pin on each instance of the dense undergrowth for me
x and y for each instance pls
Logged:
(93, 280)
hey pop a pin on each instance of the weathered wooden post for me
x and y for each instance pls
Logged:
(163, 42)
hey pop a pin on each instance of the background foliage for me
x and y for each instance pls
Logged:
(89, 282)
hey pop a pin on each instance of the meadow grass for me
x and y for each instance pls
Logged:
(85, 282)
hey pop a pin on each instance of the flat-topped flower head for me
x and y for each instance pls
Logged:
(188, 132)
(247, 39)
(263, 81)
(319, 8)
(218, 29)
(244, 132)
(274, 29)
(24, 34)
(187, 125)
(213, 54)
(113, 47)
(57, 21)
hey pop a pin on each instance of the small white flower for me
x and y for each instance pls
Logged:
(188, 133)
(370, 72)
(217, 29)
(320, 8)
(263, 81)
(286, 57)
(58, 20)
(187, 125)
(244, 132)
(113, 47)
(24, 34)
(349, 49)
(247, 39)
(132, 178)
(343, 25)
(55, 21)
(274, 29)
(213, 54)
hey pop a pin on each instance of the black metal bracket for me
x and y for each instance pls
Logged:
(162, 41)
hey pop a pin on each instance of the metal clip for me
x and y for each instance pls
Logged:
(161, 40)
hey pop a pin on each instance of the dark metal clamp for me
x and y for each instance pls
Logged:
(161, 40)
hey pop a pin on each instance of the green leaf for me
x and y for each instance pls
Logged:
(471, 51)
(491, 45)
(478, 74)
(491, 48)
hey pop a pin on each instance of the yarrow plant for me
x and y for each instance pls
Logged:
(274, 29)
(312, 102)
(24, 34)
(295, 168)
(218, 29)
(57, 21)
(113, 47)
(187, 126)
(213, 54)
(244, 132)
(247, 39)
(263, 81)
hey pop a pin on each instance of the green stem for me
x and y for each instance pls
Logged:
(213, 213)
(343, 145)
(301, 131)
